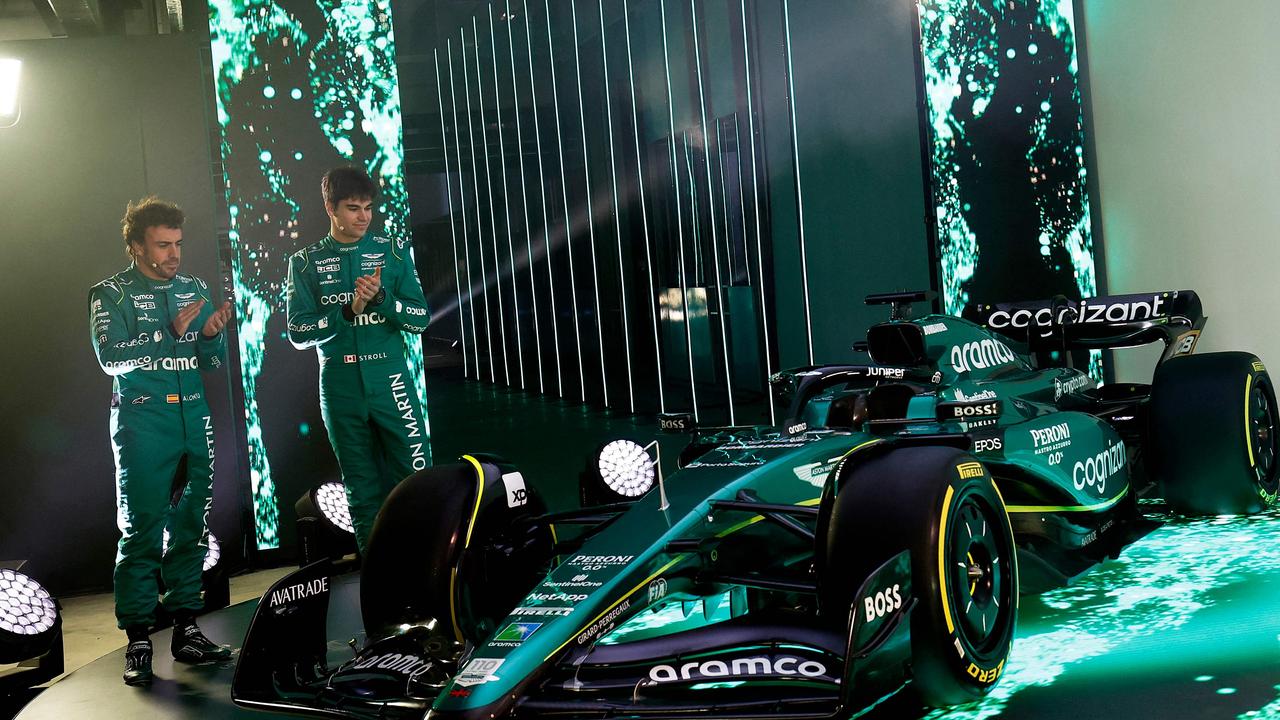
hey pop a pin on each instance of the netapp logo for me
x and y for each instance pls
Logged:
(1085, 313)
(1096, 470)
(980, 355)
(738, 667)
(557, 596)
(341, 298)
(301, 591)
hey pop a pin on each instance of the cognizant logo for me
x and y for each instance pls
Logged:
(1095, 471)
(338, 298)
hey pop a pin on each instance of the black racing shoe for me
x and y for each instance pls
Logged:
(191, 646)
(137, 663)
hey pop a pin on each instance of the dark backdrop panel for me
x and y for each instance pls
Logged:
(103, 121)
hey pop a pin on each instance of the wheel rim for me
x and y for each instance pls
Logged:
(1262, 433)
(980, 574)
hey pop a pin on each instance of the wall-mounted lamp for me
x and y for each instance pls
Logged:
(10, 108)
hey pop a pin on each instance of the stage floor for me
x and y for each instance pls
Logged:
(1185, 624)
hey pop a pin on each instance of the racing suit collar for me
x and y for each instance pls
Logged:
(143, 281)
(336, 246)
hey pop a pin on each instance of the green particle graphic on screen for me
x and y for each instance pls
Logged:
(1006, 149)
(301, 87)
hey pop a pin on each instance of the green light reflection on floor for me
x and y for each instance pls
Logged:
(1157, 586)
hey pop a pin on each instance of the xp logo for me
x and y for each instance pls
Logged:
(517, 493)
(657, 590)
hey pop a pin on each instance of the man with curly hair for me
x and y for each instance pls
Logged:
(154, 330)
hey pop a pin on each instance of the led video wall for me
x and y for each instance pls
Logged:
(1007, 153)
(302, 86)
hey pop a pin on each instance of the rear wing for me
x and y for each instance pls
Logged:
(1174, 317)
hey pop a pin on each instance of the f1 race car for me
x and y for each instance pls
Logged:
(877, 539)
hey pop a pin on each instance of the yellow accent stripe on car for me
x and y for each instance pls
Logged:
(942, 570)
(1066, 508)
(618, 602)
(453, 573)
(803, 503)
(1248, 439)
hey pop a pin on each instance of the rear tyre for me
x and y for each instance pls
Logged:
(1213, 434)
(435, 552)
(942, 505)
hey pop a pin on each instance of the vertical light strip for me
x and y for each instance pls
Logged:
(675, 179)
(617, 220)
(524, 197)
(542, 195)
(711, 200)
(462, 206)
(724, 201)
(453, 232)
(591, 216)
(695, 223)
(568, 224)
(488, 180)
(475, 184)
(795, 163)
(755, 196)
(644, 214)
(742, 198)
(506, 199)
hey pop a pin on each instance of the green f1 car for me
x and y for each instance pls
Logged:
(878, 539)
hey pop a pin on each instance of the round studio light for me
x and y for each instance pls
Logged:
(28, 617)
(211, 555)
(331, 497)
(625, 468)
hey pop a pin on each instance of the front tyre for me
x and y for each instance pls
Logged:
(942, 505)
(1213, 434)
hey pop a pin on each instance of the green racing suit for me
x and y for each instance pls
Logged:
(368, 399)
(158, 416)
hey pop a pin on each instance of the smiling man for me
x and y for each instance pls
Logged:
(352, 296)
(154, 330)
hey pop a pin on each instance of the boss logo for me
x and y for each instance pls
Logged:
(979, 410)
(882, 603)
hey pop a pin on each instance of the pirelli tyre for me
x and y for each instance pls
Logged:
(942, 505)
(453, 543)
(1213, 434)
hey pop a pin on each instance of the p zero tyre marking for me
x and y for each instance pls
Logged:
(942, 570)
(1248, 429)
(453, 573)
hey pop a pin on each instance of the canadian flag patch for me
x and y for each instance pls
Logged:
(348, 358)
